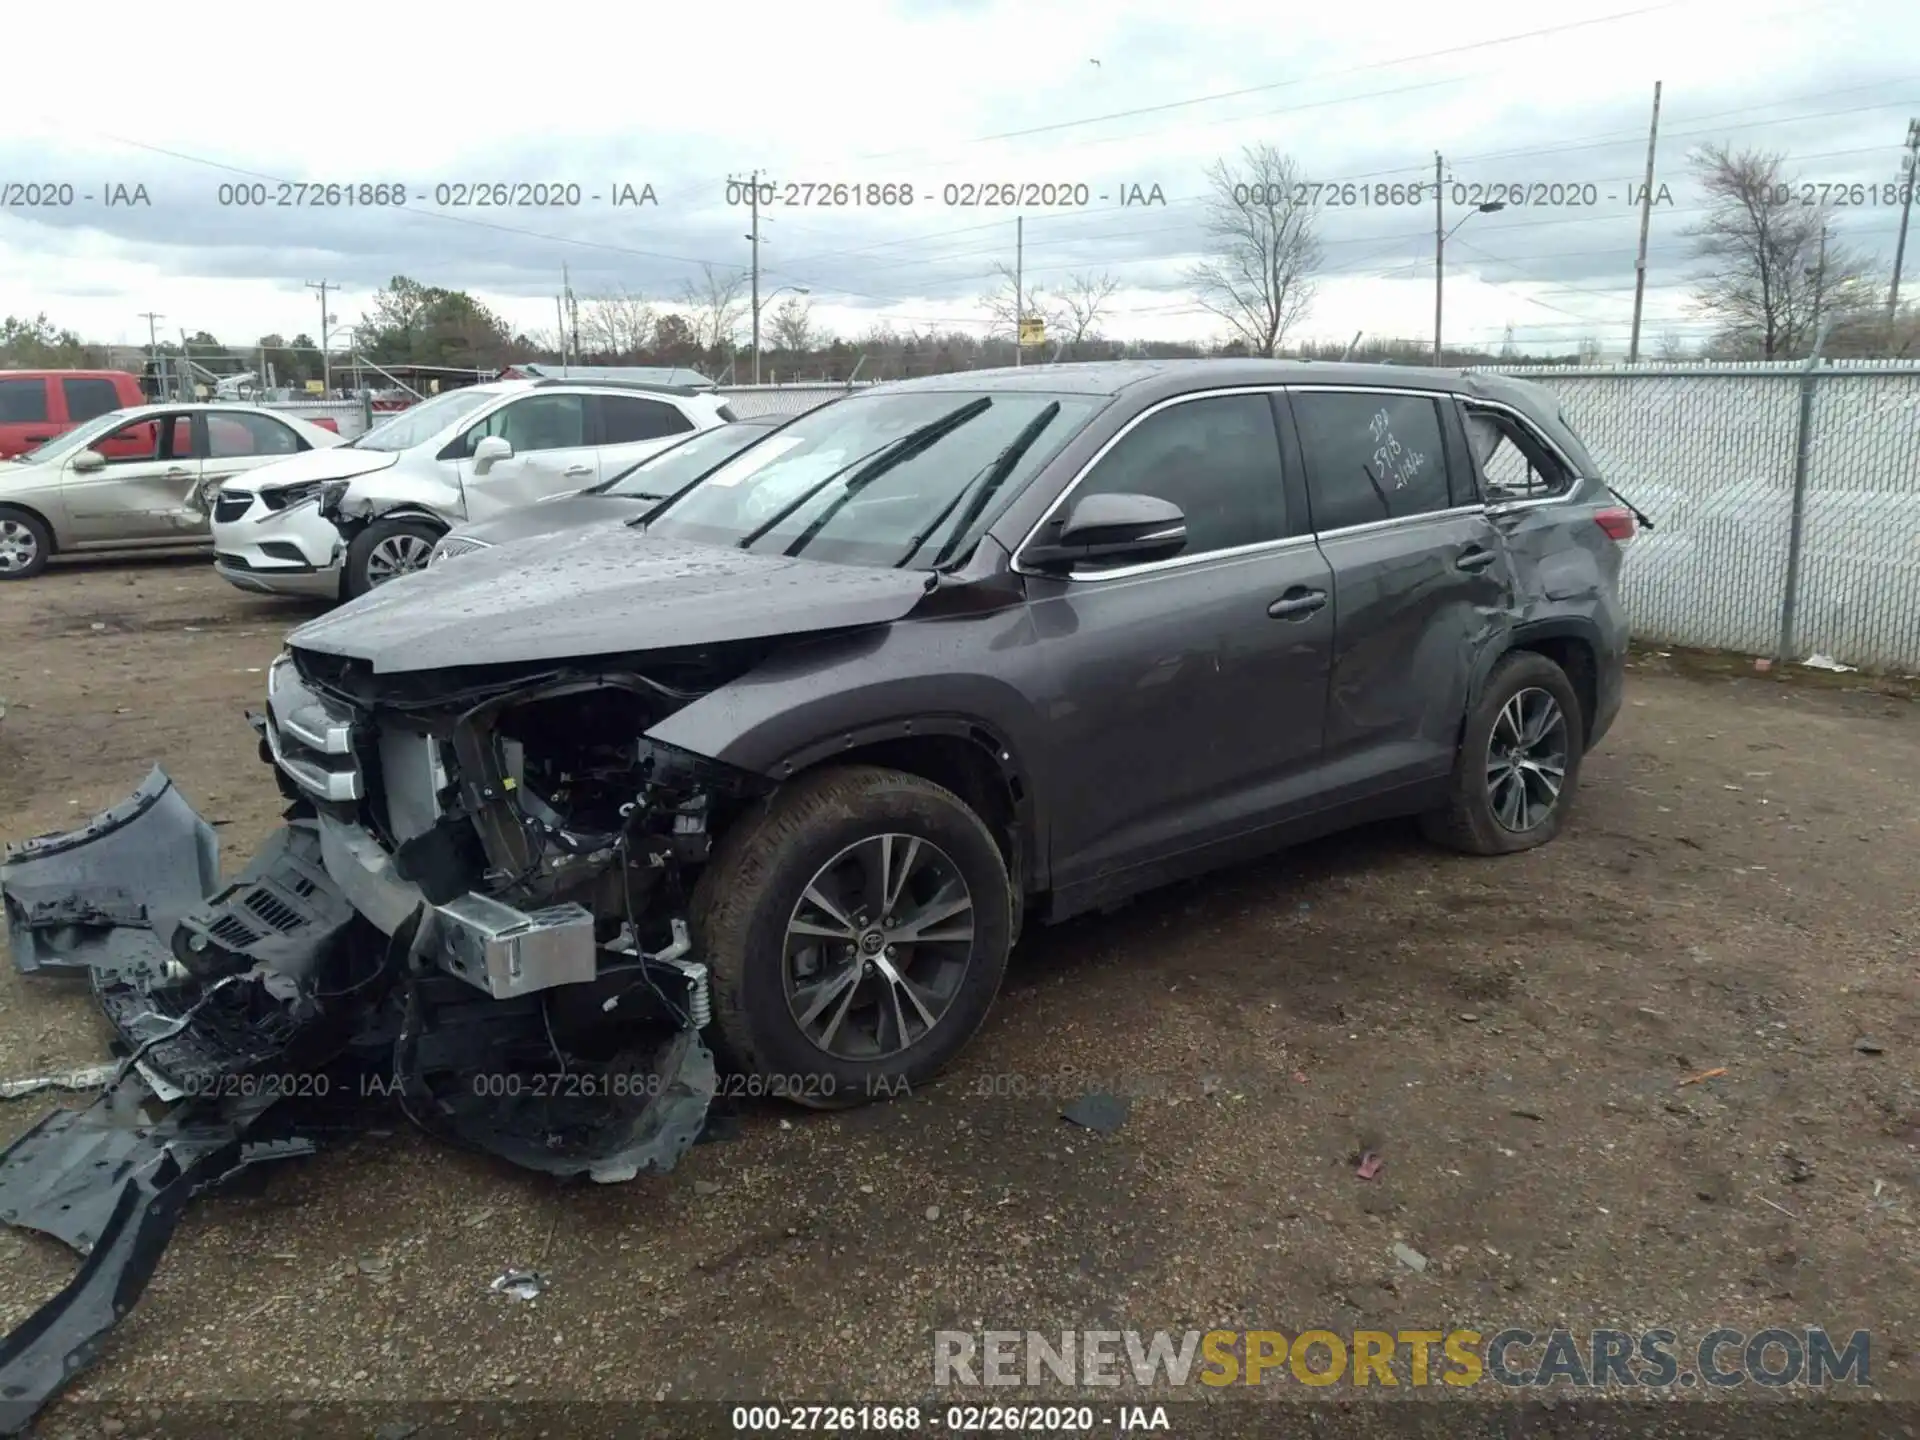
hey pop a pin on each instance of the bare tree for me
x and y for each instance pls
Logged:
(715, 307)
(1588, 350)
(619, 324)
(1672, 347)
(1080, 307)
(1260, 237)
(793, 324)
(1002, 312)
(1774, 270)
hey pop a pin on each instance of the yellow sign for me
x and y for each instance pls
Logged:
(1033, 330)
(316, 387)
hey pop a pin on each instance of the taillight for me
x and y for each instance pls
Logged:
(1617, 521)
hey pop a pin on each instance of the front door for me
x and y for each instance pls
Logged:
(1184, 698)
(148, 490)
(1422, 581)
(552, 454)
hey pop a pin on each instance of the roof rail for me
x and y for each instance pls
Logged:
(645, 387)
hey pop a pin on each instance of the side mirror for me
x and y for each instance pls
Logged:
(1128, 528)
(89, 460)
(489, 451)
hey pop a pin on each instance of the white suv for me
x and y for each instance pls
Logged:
(335, 523)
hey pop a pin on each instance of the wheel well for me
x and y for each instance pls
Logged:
(964, 766)
(53, 540)
(424, 517)
(1574, 656)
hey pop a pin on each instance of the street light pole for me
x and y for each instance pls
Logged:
(1440, 235)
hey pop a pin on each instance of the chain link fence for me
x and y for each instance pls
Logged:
(1722, 457)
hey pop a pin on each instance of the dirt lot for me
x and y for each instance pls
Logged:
(1736, 894)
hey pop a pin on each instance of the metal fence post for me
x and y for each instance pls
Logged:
(1802, 452)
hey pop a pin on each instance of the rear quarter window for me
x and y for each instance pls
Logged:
(23, 400)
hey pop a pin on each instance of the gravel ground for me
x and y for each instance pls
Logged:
(1736, 894)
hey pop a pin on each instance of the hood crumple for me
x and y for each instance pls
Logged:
(338, 462)
(602, 590)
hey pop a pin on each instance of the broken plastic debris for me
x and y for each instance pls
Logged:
(519, 1284)
(1370, 1165)
(1409, 1257)
(1825, 662)
(88, 1077)
(1867, 1045)
(1713, 1074)
(1098, 1112)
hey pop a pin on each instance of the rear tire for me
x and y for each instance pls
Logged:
(25, 543)
(767, 920)
(385, 550)
(1518, 765)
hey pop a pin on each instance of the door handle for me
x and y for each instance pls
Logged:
(576, 472)
(1475, 558)
(1296, 603)
(174, 472)
(36, 439)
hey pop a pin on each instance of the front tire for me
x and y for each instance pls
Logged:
(25, 544)
(857, 930)
(1518, 764)
(385, 550)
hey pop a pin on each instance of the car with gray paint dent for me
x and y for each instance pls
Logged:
(628, 493)
(774, 775)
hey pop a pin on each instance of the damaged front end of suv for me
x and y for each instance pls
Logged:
(477, 906)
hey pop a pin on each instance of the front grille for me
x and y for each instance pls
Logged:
(231, 505)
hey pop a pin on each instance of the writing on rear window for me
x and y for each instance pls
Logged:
(1392, 461)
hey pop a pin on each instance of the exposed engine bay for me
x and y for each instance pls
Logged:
(477, 906)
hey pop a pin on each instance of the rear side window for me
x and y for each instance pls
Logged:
(89, 399)
(1371, 456)
(626, 418)
(1218, 459)
(234, 436)
(1514, 463)
(24, 402)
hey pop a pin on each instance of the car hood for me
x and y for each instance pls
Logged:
(337, 463)
(606, 589)
(557, 512)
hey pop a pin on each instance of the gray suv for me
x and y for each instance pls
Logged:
(779, 768)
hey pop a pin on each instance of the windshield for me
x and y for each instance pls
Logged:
(666, 474)
(421, 423)
(77, 438)
(838, 484)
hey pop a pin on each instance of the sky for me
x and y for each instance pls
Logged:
(662, 105)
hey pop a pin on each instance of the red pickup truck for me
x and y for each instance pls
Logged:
(36, 405)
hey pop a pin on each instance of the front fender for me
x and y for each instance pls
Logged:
(373, 497)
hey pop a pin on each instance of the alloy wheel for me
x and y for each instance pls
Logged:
(397, 555)
(1526, 760)
(878, 947)
(19, 547)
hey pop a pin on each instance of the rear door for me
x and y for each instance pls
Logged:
(241, 441)
(26, 413)
(148, 490)
(1422, 581)
(632, 427)
(552, 453)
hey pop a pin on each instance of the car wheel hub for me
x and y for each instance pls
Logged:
(17, 546)
(862, 991)
(397, 555)
(1526, 760)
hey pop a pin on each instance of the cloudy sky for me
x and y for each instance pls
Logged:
(928, 93)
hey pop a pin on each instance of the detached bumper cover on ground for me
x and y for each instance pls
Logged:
(259, 988)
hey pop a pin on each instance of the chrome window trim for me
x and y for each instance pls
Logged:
(1177, 562)
(1402, 522)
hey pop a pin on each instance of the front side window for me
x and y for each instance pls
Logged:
(1371, 456)
(901, 479)
(539, 422)
(23, 402)
(89, 399)
(233, 436)
(1514, 463)
(627, 418)
(1217, 458)
(158, 437)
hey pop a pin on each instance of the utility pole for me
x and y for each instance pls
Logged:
(560, 328)
(573, 310)
(326, 321)
(1909, 182)
(1439, 252)
(153, 317)
(754, 184)
(1646, 217)
(1019, 282)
